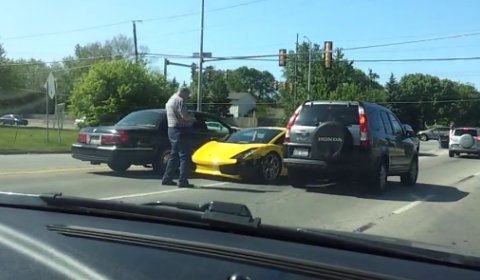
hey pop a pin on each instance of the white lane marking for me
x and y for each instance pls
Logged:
(412, 204)
(140, 194)
(158, 192)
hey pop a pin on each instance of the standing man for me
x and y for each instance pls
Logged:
(179, 132)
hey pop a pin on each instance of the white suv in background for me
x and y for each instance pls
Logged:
(464, 140)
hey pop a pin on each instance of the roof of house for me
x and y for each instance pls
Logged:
(239, 95)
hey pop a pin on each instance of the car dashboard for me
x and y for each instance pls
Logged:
(64, 245)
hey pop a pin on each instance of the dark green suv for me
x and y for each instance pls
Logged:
(349, 139)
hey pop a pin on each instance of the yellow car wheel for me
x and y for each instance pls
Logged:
(271, 166)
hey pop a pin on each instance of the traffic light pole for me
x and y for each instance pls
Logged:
(168, 62)
(200, 64)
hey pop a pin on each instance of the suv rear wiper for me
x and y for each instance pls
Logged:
(215, 213)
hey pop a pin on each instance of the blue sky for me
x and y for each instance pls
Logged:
(255, 27)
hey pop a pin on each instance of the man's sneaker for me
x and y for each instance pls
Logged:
(168, 183)
(185, 185)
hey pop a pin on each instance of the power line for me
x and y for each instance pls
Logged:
(164, 55)
(417, 59)
(455, 36)
(429, 101)
(127, 22)
(375, 101)
(64, 31)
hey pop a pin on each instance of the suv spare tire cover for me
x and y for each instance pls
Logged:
(332, 141)
(466, 141)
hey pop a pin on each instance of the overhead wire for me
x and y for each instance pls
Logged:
(127, 21)
(454, 36)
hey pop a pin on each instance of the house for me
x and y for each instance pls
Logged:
(241, 104)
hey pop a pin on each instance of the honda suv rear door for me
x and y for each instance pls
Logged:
(304, 138)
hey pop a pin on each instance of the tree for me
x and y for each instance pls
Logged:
(7, 77)
(75, 66)
(417, 96)
(215, 92)
(112, 89)
(341, 82)
(258, 83)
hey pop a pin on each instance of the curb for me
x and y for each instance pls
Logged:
(32, 152)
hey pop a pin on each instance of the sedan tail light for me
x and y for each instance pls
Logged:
(120, 137)
(82, 138)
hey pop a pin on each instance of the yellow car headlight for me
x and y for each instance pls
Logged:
(245, 154)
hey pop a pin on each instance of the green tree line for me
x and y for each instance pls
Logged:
(420, 100)
(102, 82)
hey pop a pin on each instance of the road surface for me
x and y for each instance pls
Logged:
(440, 212)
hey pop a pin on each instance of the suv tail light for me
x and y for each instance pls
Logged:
(478, 138)
(120, 137)
(291, 121)
(82, 138)
(362, 120)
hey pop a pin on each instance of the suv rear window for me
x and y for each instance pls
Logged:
(314, 115)
(461, 131)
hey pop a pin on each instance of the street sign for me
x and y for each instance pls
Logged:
(205, 55)
(51, 85)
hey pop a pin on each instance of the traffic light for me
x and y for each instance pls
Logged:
(193, 70)
(328, 54)
(282, 57)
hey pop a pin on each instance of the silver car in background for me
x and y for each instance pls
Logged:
(464, 140)
(433, 133)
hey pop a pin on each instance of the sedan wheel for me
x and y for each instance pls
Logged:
(423, 137)
(271, 167)
(119, 167)
(161, 162)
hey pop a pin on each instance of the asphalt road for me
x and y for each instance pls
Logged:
(441, 211)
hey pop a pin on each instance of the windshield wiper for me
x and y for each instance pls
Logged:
(214, 213)
(354, 242)
(237, 218)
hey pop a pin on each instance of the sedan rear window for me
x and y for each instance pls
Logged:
(462, 131)
(141, 118)
(314, 115)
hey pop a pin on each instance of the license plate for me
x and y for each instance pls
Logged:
(94, 140)
(300, 152)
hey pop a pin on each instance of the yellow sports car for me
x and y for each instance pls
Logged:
(251, 153)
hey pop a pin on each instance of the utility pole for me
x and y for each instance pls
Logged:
(309, 96)
(295, 78)
(200, 64)
(135, 39)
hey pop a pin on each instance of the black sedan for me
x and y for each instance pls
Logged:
(12, 119)
(140, 138)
